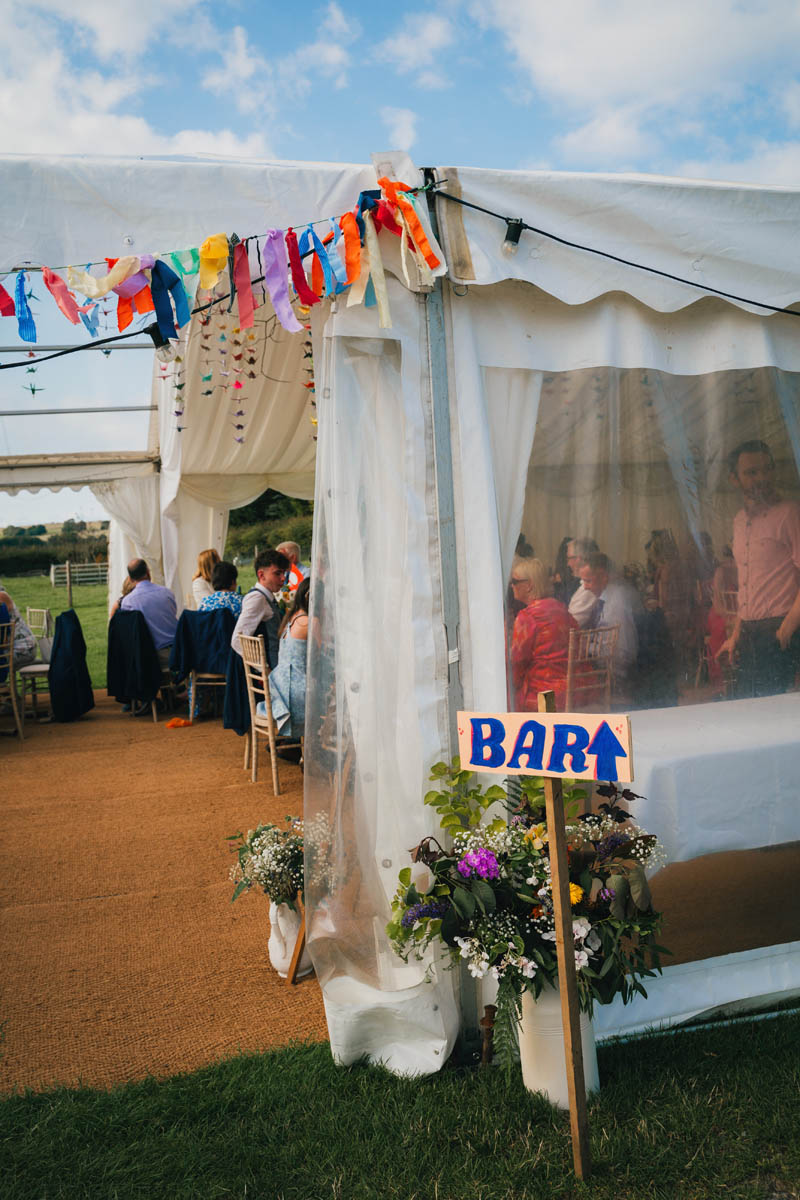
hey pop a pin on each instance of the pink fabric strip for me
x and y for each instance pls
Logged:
(244, 290)
(61, 294)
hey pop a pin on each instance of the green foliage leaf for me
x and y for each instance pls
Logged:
(463, 902)
(484, 894)
(405, 876)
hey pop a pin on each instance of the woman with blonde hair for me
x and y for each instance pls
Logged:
(540, 638)
(201, 580)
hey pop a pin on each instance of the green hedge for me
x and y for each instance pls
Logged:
(241, 540)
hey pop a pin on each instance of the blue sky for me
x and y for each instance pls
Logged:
(707, 89)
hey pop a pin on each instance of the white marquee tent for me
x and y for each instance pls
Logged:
(556, 391)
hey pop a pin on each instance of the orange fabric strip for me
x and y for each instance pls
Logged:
(352, 246)
(393, 192)
(317, 277)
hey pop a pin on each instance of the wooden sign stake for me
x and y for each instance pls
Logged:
(568, 984)
(300, 944)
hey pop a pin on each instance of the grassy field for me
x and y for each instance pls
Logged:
(696, 1116)
(91, 605)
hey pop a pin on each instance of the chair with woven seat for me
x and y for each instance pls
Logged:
(590, 667)
(40, 623)
(8, 687)
(256, 673)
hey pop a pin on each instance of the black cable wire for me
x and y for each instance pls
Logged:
(791, 312)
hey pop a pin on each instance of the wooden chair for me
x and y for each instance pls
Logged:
(40, 622)
(590, 667)
(8, 683)
(205, 679)
(256, 673)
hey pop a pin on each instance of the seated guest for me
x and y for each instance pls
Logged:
(202, 584)
(540, 639)
(260, 613)
(582, 602)
(127, 586)
(615, 603)
(565, 582)
(25, 645)
(287, 682)
(157, 606)
(223, 582)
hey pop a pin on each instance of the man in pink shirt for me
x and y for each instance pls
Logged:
(766, 547)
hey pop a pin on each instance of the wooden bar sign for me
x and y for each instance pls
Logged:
(559, 745)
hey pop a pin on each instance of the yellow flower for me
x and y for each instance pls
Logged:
(537, 836)
(575, 894)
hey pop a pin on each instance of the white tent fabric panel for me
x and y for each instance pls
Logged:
(732, 237)
(72, 210)
(133, 505)
(21, 476)
(376, 711)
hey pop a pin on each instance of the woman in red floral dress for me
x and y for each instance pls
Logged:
(540, 640)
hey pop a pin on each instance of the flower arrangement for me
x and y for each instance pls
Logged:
(489, 900)
(271, 857)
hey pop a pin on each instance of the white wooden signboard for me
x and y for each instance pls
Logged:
(560, 745)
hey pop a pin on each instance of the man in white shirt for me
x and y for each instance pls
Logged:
(615, 603)
(581, 605)
(260, 612)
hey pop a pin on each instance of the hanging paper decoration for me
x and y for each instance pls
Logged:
(213, 259)
(299, 280)
(6, 303)
(165, 283)
(244, 290)
(25, 322)
(277, 280)
(62, 295)
(93, 288)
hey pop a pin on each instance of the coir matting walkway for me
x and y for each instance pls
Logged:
(121, 952)
(122, 955)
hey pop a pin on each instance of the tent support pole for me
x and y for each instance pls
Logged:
(445, 503)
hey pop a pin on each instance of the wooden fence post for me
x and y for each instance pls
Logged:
(69, 583)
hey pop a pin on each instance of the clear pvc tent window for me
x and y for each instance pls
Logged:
(634, 464)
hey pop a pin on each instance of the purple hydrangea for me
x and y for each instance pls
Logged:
(611, 843)
(479, 862)
(606, 893)
(435, 908)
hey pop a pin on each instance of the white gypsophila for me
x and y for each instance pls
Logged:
(499, 841)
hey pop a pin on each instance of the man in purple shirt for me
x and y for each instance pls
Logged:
(157, 606)
(766, 547)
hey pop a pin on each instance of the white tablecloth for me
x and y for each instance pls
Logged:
(722, 776)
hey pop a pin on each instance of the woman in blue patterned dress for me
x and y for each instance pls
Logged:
(223, 581)
(287, 682)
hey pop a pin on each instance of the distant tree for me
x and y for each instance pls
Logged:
(269, 508)
(104, 524)
(36, 530)
(13, 531)
(69, 526)
(80, 527)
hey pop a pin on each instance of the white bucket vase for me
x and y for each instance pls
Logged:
(284, 926)
(541, 1047)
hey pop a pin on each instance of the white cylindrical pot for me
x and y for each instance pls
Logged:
(284, 926)
(541, 1048)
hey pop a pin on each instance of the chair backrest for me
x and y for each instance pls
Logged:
(40, 622)
(256, 673)
(590, 666)
(6, 653)
(730, 603)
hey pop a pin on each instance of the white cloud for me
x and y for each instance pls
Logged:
(416, 46)
(768, 163)
(68, 110)
(117, 28)
(338, 26)
(616, 136)
(244, 75)
(790, 102)
(401, 126)
(635, 74)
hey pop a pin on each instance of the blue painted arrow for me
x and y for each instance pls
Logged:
(607, 747)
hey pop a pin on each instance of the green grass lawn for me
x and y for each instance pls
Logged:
(697, 1116)
(91, 605)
